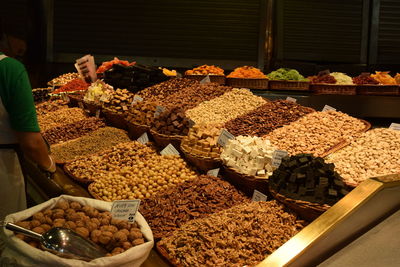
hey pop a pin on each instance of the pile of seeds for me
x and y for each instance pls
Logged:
(60, 117)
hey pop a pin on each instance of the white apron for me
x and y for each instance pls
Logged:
(12, 186)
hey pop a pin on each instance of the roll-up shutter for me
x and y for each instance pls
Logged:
(175, 29)
(322, 31)
(388, 33)
(14, 14)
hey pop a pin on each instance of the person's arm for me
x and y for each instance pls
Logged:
(35, 149)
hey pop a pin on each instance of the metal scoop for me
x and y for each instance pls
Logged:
(63, 242)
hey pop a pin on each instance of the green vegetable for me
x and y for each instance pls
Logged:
(284, 74)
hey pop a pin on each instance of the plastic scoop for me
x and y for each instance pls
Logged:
(63, 242)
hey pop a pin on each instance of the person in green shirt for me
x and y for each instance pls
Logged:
(18, 129)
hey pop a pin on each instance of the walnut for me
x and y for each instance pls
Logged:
(125, 231)
(80, 223)
(73, 217)
(75, 205)
(64, 205)
(48, 220)
(35, 223)
(134, 235)
(24, 224)
(91, 226)
(46, 227)
(120, 237)
(70, 225)
(58, 214)
(48, 212)
(82, 231)
(39, 216)
(117, 251)
(105, 221)
(105, 237)
(39, 230)
(126, 245)
(94, 235)
(138, 241)
(96, 221)
(122, 224)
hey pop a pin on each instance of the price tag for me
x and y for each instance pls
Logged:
(86, 68)
(65, 97)
(191, 123)
(291, 99)
(395, 126)
(169, 150)
(277, 157)
(213, 172)
(205, 80)
(258, 196)
(98, 113)
(159, 110)
(136, 99)
(143, 139)
(224, 137)
(328, 108)
(125, 209)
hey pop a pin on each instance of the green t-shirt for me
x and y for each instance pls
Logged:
(16, 95)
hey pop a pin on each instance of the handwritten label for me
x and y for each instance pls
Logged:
(159, 110)
(328, 108)
(136, 99)
(291, 99)
(258, 196)
(205, 80)
(224, 137)
(98, 113)
(277, 157)
(213, 172)
(143, 139)
(169, 150)
(395, 126)
(86, 68)
(125, 209)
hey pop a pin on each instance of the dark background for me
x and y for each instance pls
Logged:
(352, 36)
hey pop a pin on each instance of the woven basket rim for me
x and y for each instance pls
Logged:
(334, 85)
(204, 75)
(248, 79)
(288, 81)
(245, 176)
(73, 177)
(378, 85)
(302, 203)
(137, 124)
(92, 193)
(175, 137)
(163, 252)
(185, 151)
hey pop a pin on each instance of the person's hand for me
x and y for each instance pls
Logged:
(52, 168)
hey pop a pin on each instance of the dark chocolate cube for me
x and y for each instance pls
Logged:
(332, 192)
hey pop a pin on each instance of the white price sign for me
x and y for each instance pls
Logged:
(258, 196)
(277, 157)
(328, 108)
(206, 79)
(213, 172)
(159, 110)
(86, 68)
(224, 137)
(169, 150)
(136, 99)
(291, 99)
(143, 139)
(125, 209)
(395, 126)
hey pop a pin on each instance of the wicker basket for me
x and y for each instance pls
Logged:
(114, 119)
(245, 183)
(377, 89)
(163, 252)
(367, 126)
(289, 85)
(92, 193)
(163, 140)
(92, 107)
(73, 177)
(136, 130)
(333, 89)
(201, 162)
(220, 79)
(307, 210)
(250, 83)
